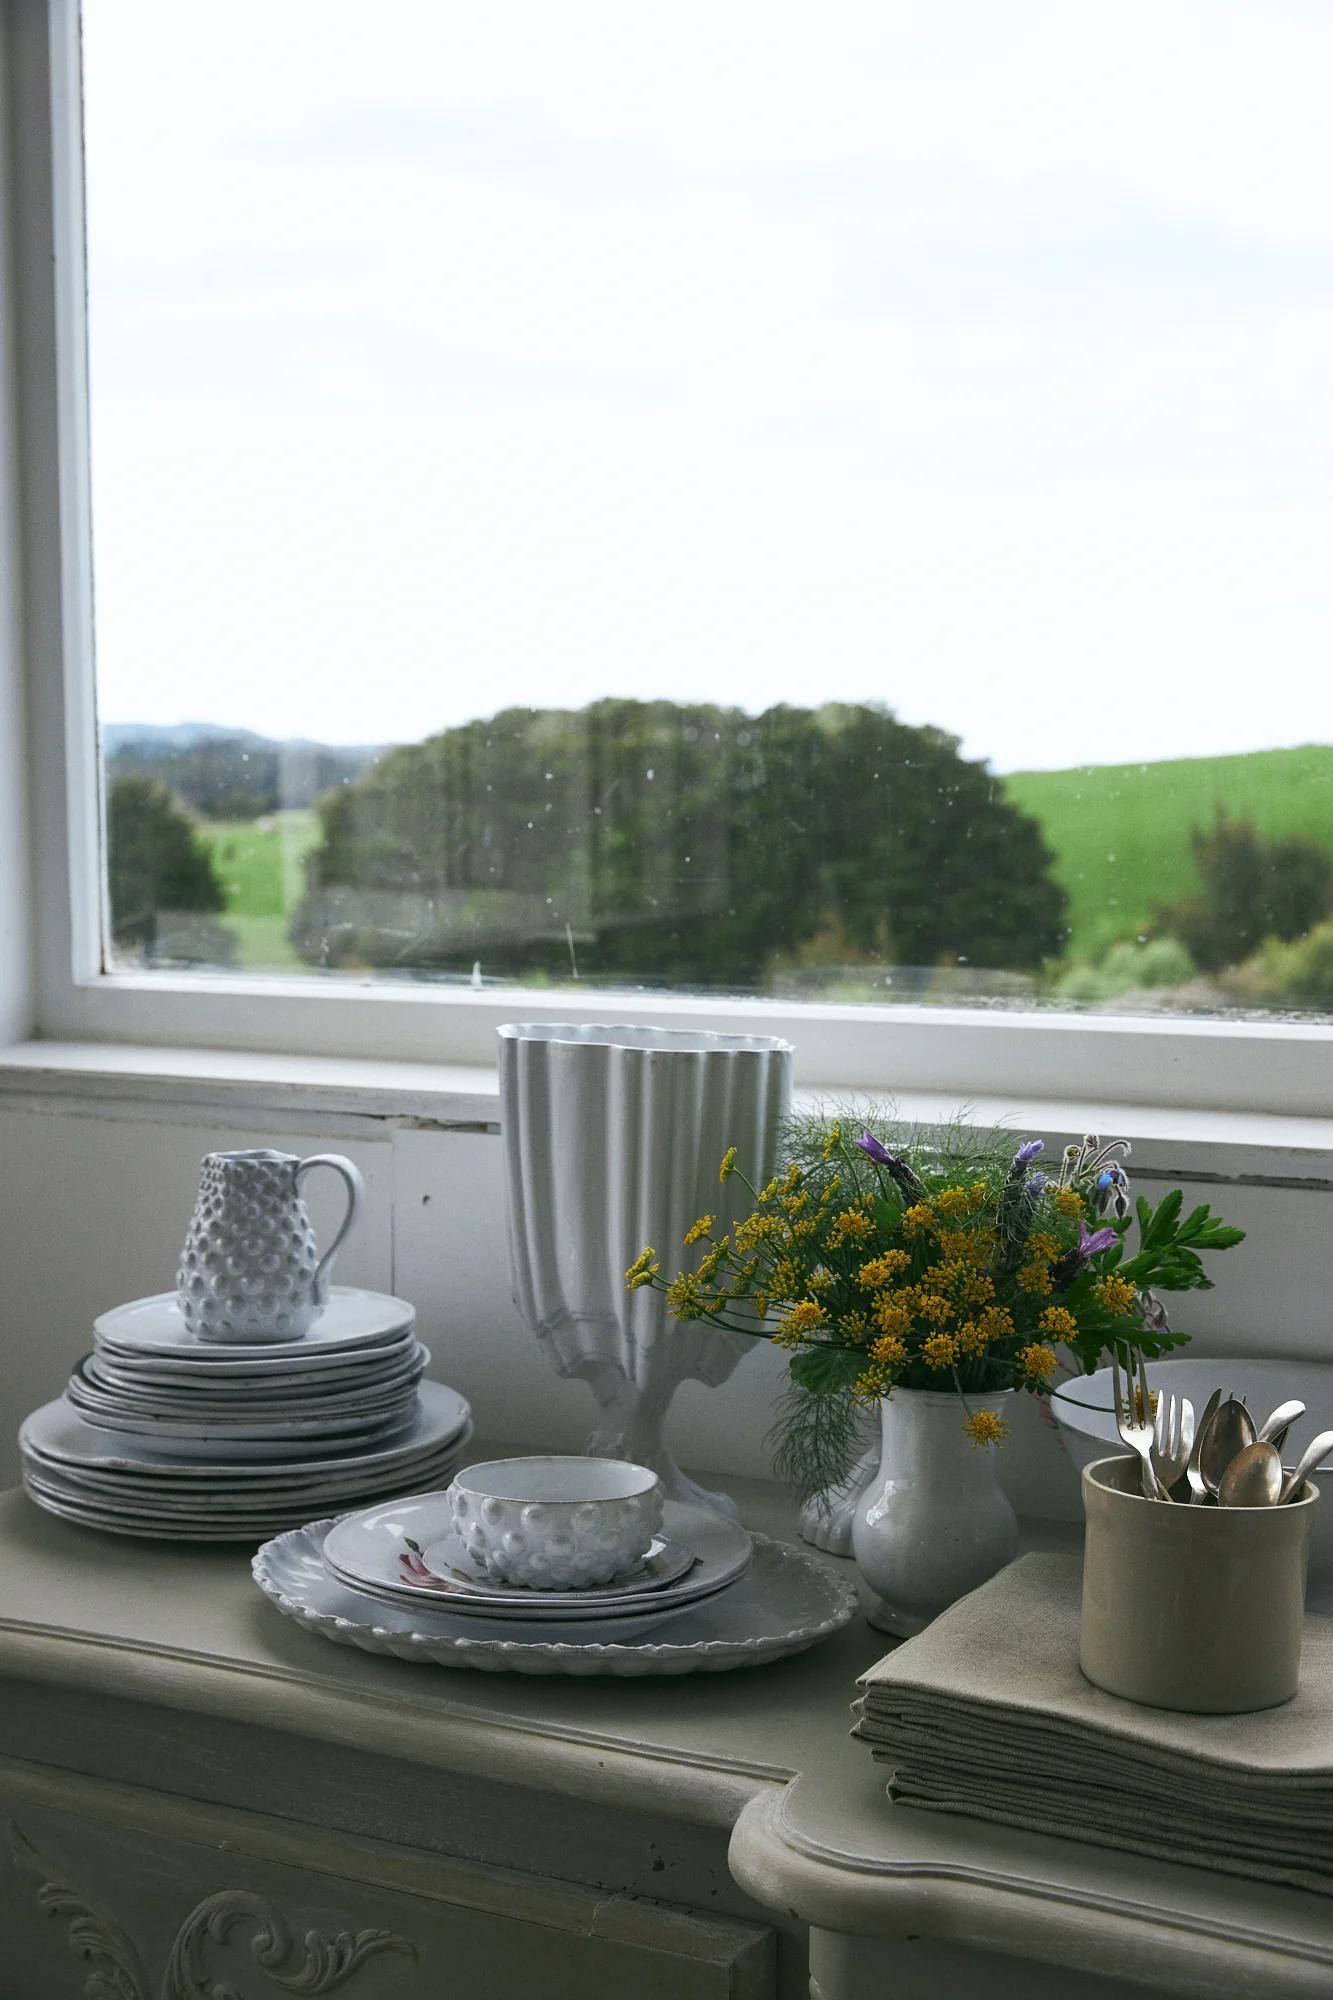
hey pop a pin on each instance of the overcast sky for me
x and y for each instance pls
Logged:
(973, 357)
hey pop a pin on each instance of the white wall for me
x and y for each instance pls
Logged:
(15, 953)
(95, 1197)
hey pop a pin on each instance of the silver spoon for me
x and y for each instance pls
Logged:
(1197, 1490)
(1230, 1431)
(1317, 1448)
(1253, 1478)
(1274, 1432)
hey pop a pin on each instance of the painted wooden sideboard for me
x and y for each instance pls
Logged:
(199, 1799)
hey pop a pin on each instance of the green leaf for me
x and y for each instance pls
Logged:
(887, 1214)
(822, 1371)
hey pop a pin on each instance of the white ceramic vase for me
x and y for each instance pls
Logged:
(935, 1522)
(612, 1141)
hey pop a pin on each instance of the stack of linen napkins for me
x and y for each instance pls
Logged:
(986, 1713)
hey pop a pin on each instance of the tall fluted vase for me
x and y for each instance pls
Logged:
(612, 1139)
(935, 1521)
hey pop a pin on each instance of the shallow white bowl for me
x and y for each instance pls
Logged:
(1082, 1406)
(556, 1523)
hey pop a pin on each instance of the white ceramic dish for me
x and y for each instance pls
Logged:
(216, 1364)
(1082, 1406)
(57, 1432)
(534, 1607)
(110, 1494)
(364, 1550)
(215, 1440)
(221, 1413)
(351, 1319)
(148, 1529)
(119, 1492)
(556, 1523)
(664, 1562)
(402, 1365)
(789, 1601)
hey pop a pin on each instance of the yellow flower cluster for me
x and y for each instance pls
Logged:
(799, 1322)
(1116, 1294)
(643, 1270)
(1059, 1321)
(1037, 1362)
(832, 1141)
(882, 1270)
(984, 1427)
(1070, 1202)
(698, 1230)
(939, 1350)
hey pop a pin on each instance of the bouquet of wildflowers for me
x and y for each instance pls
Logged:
(935, 1264)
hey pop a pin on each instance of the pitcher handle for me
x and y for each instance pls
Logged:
(356, 1189)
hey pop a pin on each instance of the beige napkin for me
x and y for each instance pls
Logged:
(987, 1714)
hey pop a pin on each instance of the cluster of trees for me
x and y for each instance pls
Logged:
(678, 843)
(692, 845)
(1250, 890)
(231, 773)
(163, 889)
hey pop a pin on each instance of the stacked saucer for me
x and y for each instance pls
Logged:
(410, 1554)
(161, 1433)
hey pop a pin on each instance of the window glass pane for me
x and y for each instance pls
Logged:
(832, 502)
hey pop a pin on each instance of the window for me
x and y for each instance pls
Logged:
(826, 514)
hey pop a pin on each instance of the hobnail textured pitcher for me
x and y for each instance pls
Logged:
(251, 1268)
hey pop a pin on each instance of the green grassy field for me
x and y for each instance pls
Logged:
(1120, 833)
(259, 866)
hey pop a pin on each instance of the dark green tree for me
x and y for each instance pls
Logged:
(158, 867)
(1250, 889)
(677, 844)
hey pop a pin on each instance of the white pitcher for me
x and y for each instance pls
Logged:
(251, 1268)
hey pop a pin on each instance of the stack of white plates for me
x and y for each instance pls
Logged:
(407, 1553)
(708, 1597)
(162, 1434)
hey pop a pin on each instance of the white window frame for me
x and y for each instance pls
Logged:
(1201, 1065)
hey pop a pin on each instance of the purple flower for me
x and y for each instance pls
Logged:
(1036, 1183)
(1113, 1191)
(1029, 1151)
(1091, 1242)
(909, 1186)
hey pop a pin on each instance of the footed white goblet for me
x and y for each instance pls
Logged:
(612, 1139)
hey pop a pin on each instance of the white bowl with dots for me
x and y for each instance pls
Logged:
(556, 1523)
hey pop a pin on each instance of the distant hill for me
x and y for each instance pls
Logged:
(232, 773)
(1120, 833)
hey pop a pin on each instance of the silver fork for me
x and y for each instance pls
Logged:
(1135, 1431)
(1173, 1440)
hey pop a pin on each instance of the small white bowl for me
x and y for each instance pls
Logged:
(556, 1523)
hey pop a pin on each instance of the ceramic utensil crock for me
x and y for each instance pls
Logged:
(1191, 1608)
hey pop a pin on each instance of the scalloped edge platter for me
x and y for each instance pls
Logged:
(786, 1602)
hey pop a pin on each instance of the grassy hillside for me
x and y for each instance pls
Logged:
(258, 863)
(1120, 833)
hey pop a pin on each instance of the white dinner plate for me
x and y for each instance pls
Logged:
(148, 1530)
(364, 1550)
(351, 1319)
(297, 1418)
(403, 1365)
(208, 1364)
(460, 1590)
(448, 1562)
(298, 1503)
(789, 1600)
(57, 1431)
(289, 1438)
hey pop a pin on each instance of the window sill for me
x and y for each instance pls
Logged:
(1169, 1142)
